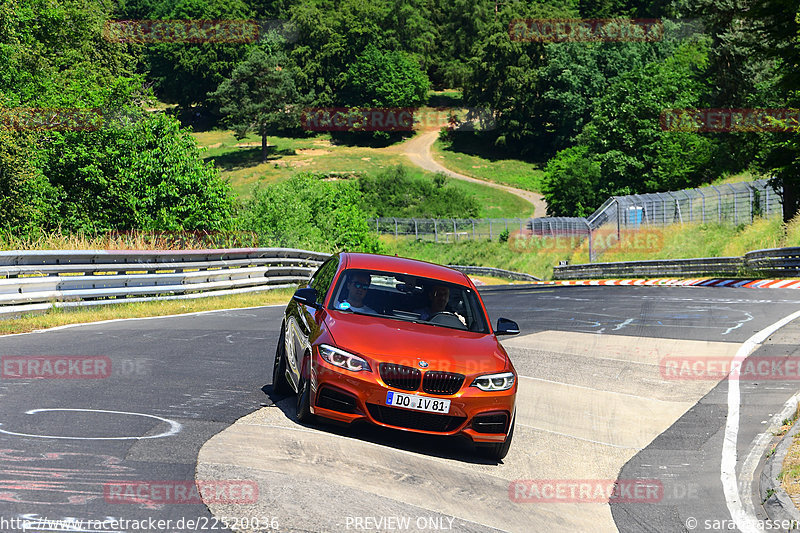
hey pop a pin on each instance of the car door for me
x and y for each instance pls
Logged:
(302, 324)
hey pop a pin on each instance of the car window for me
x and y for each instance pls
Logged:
(323, 278)
(411, 298)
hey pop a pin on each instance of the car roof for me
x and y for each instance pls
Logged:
(402, 265)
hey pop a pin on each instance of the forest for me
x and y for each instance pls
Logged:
(590, 112)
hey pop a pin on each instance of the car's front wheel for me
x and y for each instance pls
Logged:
(304, 398)
(279, 383)
(498, 451)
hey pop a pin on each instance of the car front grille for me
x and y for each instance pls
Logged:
(399, 376)
(405, 418)
(444, 383)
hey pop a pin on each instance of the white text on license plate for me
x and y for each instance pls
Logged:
(418, 403)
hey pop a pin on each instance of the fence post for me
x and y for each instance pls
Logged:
(395, 227)
(490, 230)
(416, 232)
(735, 210)
(455, 231)
(616, 202)
(435, 231)
(703, 209)
(473, 228)
(719, 205)
(589, 229)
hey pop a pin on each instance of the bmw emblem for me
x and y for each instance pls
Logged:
(423, 364)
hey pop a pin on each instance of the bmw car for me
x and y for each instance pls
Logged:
(398, 343)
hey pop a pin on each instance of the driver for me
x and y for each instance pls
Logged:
(438, 297)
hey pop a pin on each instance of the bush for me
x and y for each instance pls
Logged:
(305, 212)
(394, 193)
(147, 175)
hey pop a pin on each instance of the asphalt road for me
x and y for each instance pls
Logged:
(198, 374)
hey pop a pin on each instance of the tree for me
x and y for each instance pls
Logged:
(779, 29)
(260, 95)
(385, 79)
(184, 73)
(625, 141)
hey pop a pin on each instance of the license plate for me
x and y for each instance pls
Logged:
(417, 403)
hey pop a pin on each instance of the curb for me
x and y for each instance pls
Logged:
(693, 282)
(778, 506)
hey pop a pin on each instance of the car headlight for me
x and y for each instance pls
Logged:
(494, 382)
(342, 359)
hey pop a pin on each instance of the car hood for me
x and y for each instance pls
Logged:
(406, 343)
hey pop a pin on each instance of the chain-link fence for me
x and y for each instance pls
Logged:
(734, 203)
(448, 229)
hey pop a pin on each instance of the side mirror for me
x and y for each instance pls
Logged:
(307, 296)
(506, 327)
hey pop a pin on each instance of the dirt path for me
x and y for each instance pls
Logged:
(418, 150)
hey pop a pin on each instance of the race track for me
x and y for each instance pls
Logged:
(188, 397)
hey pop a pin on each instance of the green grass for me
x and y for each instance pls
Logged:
(472, 158)
(479, 253)
(240, 164)
(60, 316)
(494, 203)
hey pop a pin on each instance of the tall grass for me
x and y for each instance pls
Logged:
(127, 240)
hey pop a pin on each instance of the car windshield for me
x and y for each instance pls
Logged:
(411, 298)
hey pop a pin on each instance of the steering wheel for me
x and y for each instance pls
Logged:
(446, 318)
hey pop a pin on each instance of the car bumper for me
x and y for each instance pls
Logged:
(349, 397)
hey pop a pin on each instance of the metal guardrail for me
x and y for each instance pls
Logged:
(713, 266)
(494, 272)
(37, 280)
(782, 262)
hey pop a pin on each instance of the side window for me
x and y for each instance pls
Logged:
(324, 277)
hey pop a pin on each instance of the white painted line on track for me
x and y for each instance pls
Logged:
(174, 427)
(745, 521)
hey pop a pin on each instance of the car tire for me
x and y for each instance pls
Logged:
(279, 383)
(303, 413)
(498, 451)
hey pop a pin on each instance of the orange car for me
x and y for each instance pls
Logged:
(399, 343)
